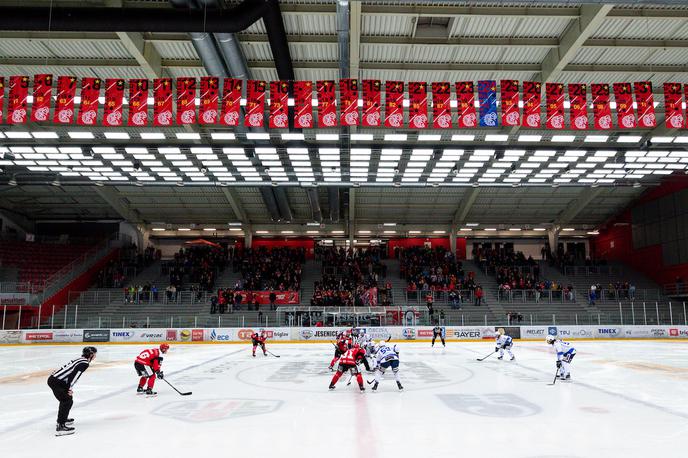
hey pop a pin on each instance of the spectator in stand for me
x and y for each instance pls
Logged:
(273, 299)
(631, 291)
(478, 295)
(237, 300)
(593, 294)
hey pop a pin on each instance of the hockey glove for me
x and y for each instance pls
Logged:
(558, 364)
(496, 349)
(160, 375)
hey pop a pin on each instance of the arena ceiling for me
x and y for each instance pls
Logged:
(507, 178)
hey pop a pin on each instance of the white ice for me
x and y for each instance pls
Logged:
(627, 399)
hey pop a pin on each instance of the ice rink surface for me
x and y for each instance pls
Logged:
(627, 399)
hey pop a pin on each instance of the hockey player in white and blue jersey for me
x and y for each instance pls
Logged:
(386, 357)
(503, 342)
(565, 353)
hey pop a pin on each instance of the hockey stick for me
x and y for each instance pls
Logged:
(271, 353)
(483, 359)
(183, 394)
(351, 376)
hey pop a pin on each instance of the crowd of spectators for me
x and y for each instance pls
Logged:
(197, 264)
(351, 278)
(263, 269)
(615, 290)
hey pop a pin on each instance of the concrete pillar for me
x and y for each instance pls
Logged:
(351, 231)
(248, 237)
(553, 239)
(452, 240)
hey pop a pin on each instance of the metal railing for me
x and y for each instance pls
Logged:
(586, 271)
(560, 295)
(675, 289)
(634, 313)
(21, 287)
(463, 297)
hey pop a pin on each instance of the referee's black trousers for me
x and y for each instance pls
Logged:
(60, 390)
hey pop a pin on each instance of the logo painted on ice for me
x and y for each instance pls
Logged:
(217, 409)
(490, 405)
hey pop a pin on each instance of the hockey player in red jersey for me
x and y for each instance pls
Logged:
(259, 339)
(342, 345)
(147, 366)
(349, 362)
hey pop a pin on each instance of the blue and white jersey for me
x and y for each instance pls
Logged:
(563, 348)
(386, 354)
(503, 341)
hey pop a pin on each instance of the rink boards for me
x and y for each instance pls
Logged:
(321, 334)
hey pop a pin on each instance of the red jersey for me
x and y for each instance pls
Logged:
(343, 345)
(150, 358)
(257, 339)
(351, 357)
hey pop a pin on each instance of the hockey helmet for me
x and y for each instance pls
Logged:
(164, 347)
(89, 352)
(550, 338)
(500, 331)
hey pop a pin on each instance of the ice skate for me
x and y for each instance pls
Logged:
(64, 430)
(150, 392)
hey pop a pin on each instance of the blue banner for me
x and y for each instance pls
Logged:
(487, 95)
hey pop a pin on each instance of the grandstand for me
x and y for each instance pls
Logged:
(94, 214)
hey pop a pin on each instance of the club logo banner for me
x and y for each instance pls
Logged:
(646, 104)
(231, 102)
(511, 116)
(441, 106)
(418, 105)
(42, 98)
(327, 110)
(466, 104)
(138, 102)
(114, 97)
(210, 92)
(532, 98)
(579, 106)
(88, 108)
(348, 102)
(162, 102)
(186, 101)
(303, 106)
(487, 97)
(279, 96)
(601, 109)
(372, 103)
(18, 100)
(623, 94)
(255, 104)
(394, 104)
(554, 93)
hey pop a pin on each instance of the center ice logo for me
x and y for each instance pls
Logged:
(217, 409)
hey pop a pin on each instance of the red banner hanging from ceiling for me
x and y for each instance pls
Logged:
(418, 105)
(114, 96)
(532, 98)
(372, 103)
(231, 102)
(42, 97)
(601, 110)
(645, 102)
(348, 102)
(162, 102)
(303, 104)
(138, 102)
(64, 104)
(210, 93)
(511, 114)
(88, 108)
(673, 109)
(279, 109)
(394, 104)
(465, 96)
(579, 107)
(554, 93)
(2, 99)
(186, 101)
(327, 109)
(441, 108)
(17, 105)
(623, 95)
(255, 103)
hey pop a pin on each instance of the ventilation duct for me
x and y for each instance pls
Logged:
(283, 204)
(313, 198)
(333, 198)
(270, 202)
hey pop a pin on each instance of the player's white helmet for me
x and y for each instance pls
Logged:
(550, 338)
(500, 331)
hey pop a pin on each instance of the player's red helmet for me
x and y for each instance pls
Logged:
(164, 347)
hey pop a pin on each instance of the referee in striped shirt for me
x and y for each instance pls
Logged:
(62, 381)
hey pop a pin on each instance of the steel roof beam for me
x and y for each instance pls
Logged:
(591, 17)
(110, 195)
(464, 207)
(144, 52)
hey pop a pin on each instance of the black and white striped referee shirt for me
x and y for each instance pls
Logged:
(70, 372)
